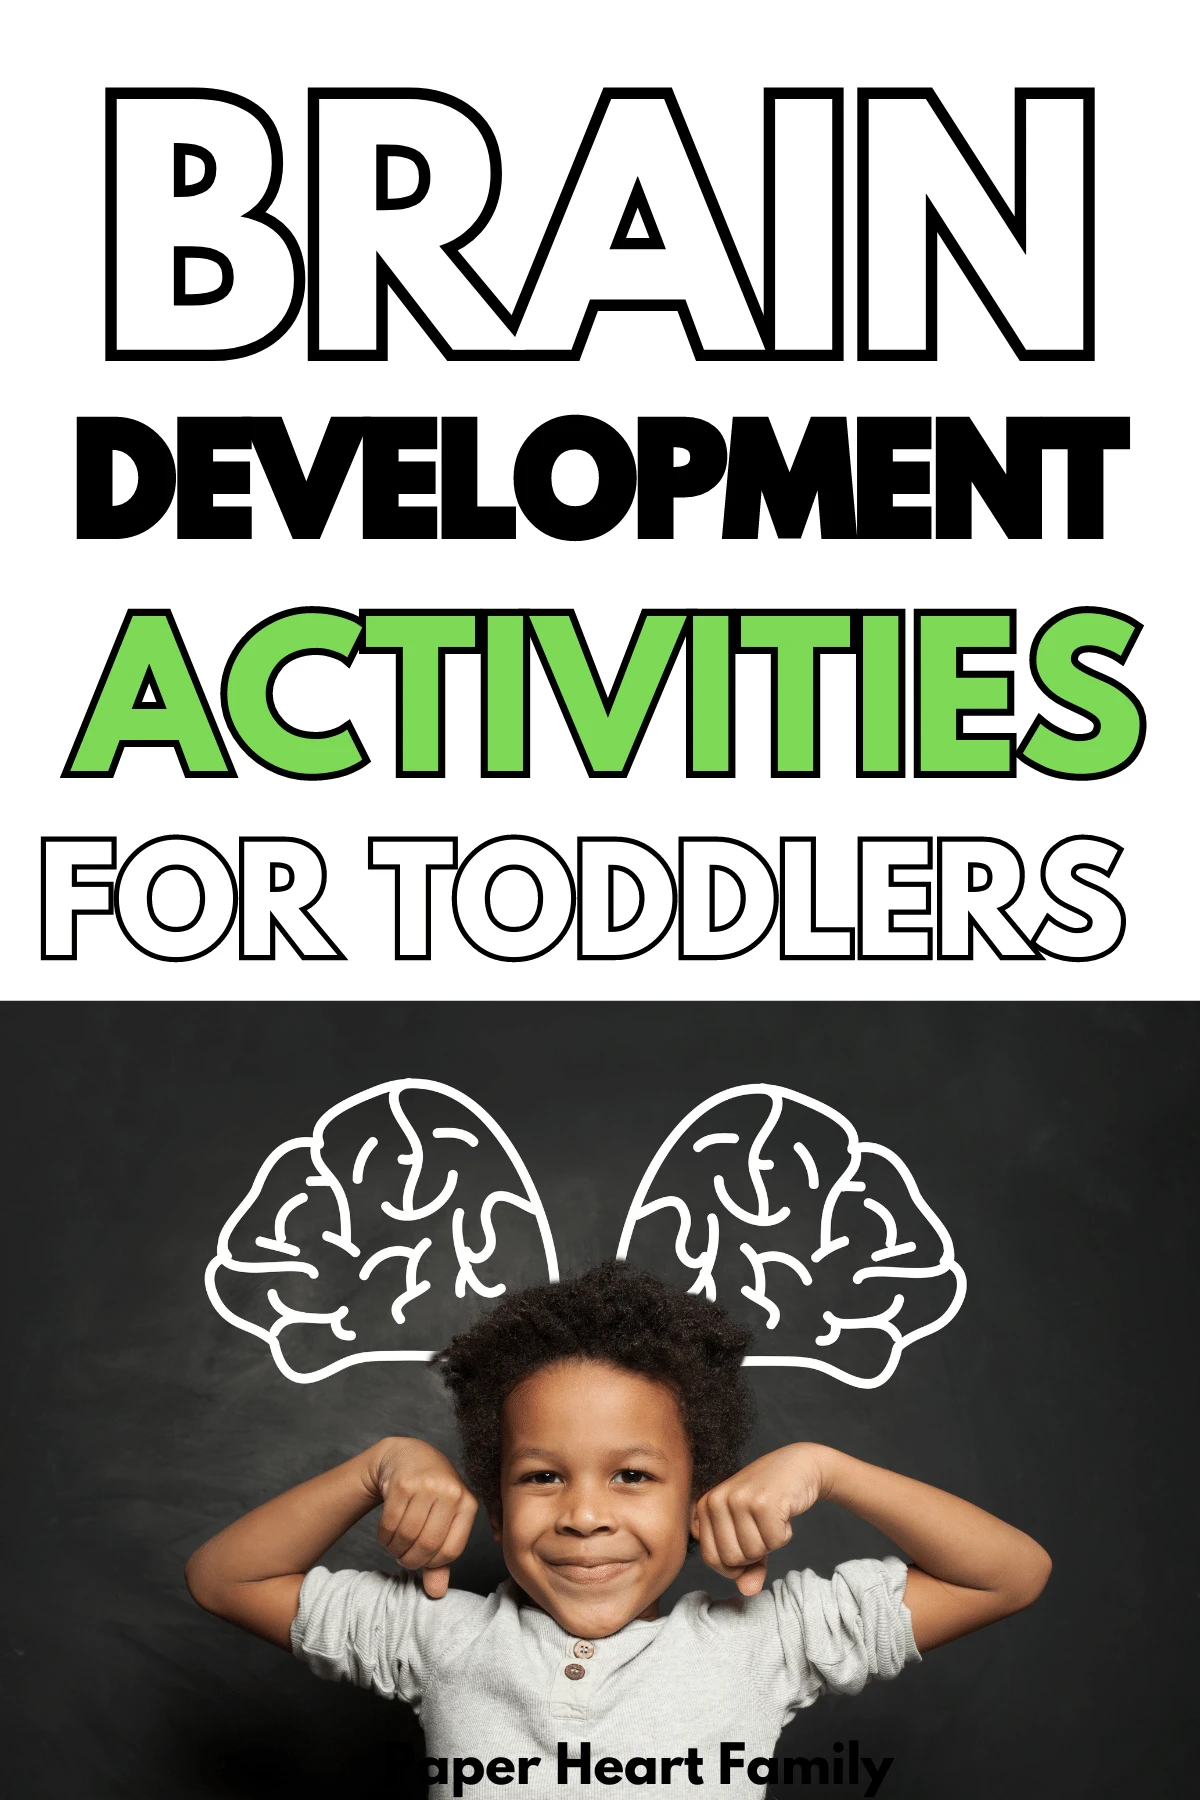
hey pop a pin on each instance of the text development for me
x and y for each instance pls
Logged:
(873, 494)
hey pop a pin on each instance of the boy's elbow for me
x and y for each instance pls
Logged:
(205, 1591)
(1042, 1573)
(1032, 1578)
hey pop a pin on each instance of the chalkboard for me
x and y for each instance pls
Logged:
(1047, 1154)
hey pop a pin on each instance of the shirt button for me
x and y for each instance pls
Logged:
(574, 1671)
(583, 1648)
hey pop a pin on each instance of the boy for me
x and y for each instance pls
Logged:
(601, 1421)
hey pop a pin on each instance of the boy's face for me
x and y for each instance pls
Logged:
(595, 1492)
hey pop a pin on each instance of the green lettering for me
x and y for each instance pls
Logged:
(608, 728)
(148, 694)
(506, 695)
(1116, 720)
(881, 695)
(794, 640)
(248, 694)
(946, 697)
(421, 641)
(710, 696)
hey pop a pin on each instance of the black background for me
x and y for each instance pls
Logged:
(1058, 1144)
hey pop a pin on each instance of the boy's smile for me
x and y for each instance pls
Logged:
(595, 1493)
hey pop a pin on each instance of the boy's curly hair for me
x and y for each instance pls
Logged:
(610, 1314)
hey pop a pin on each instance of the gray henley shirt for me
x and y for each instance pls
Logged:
(498, 1678)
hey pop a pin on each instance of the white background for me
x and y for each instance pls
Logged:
(535, 72)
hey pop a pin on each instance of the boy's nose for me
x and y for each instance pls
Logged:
(585, 1510)
(577, 1526)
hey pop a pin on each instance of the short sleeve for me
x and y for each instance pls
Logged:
(839, 1633)
(361, 1626)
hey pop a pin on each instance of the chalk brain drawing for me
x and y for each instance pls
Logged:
(769, 1202)
(407, 1203)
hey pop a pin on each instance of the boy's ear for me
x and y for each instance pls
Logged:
(497, 1532)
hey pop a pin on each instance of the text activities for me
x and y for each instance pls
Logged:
(149, 694)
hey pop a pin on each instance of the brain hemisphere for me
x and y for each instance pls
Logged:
(768, 1201)
(375, 1239)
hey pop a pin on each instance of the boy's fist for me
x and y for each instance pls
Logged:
(428, 1510)
(742, 1520)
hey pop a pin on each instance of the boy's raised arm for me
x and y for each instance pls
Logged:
(251, 1572)
(969, 1567)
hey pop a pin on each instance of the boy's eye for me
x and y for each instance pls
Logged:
(551, 1477)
